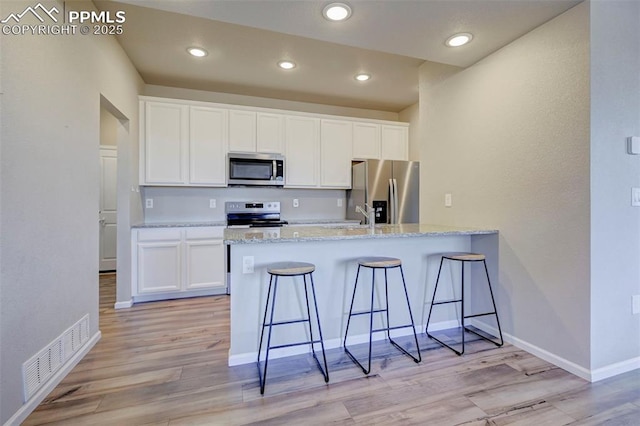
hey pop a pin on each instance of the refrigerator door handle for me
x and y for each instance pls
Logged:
(395, 202)
(392, 204)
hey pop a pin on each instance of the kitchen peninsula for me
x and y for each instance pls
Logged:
(334, 250)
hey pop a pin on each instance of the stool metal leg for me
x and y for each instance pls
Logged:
(463, 316)
(353, 358)
(353, 298)
(495, 312)
(263, 377)
(388, 327)
(413, 326)
(325, 371)
(434, 303)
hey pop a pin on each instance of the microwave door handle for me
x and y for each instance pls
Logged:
(274, 170)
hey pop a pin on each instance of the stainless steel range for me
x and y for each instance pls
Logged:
(243, 214)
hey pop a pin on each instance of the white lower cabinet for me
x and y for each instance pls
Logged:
(177, 262)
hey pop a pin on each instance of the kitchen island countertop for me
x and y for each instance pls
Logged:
(345, 232)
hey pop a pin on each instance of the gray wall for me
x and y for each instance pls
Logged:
(509, 138)
(49, 186)
(615, 225)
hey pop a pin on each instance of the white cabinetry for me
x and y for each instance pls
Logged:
(270, 133)
(207, 153)
(182, 145)
(380, 141)
(242, 131)
(394, 142)
(185, 143)
(164, 145)
(204, 258)
(366, 140)
(302, 137)
(251, 131)
(159, 260)
(336, 138)
(177, 262)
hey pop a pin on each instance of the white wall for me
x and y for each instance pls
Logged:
(49, 185)
(509, 138)
(412, 115)
(615, 225)
(108, 128)
(233, 99)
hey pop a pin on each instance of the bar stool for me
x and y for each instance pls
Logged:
(464, 258)
(290, 269)
(384, 263)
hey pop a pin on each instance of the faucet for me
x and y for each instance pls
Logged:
(370, 214)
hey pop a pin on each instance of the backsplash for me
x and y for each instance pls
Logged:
(175, 204)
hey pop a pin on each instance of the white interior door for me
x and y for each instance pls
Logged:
(108, 207)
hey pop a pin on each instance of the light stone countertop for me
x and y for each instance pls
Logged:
(293, 222)
(179, 224)
(343, 232)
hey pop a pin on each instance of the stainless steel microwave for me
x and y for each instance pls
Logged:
(255, 169)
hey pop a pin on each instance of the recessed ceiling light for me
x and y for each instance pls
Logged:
(362, 77)
(459, 39)
(197, 52)
(336, 11)
(286, 65)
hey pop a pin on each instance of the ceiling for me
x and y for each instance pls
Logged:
(389, 39)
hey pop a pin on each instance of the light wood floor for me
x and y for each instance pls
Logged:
(165, 363)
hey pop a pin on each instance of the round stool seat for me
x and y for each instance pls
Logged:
(291, 268)
(379, 262)
(472, 257)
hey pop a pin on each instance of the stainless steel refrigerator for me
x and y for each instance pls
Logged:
(390, 187)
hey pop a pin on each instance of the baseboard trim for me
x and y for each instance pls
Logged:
(28, 407)
(615, 369)
(592, 376)
(123, 305)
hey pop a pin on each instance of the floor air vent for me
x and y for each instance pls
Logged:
(37, 370)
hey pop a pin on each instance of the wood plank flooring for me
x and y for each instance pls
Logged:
(165, 363)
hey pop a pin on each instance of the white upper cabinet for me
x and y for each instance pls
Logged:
(394, 142)
(366, 140)
(270, 134)
(182, 144)
(207, 153)
(302, 137)
(166, 131)
(242, 131)
(336, 138)
(185, 143)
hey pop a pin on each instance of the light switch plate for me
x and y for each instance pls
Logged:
(447, 200)
(296, 203)
(212, 203)
(149, 203)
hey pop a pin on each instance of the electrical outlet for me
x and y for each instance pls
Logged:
(447, 200)
(212, 203)
(339, 202)
(296, 203)
(247, 264)
(635, 197)
(149, 203)
(635, 304)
